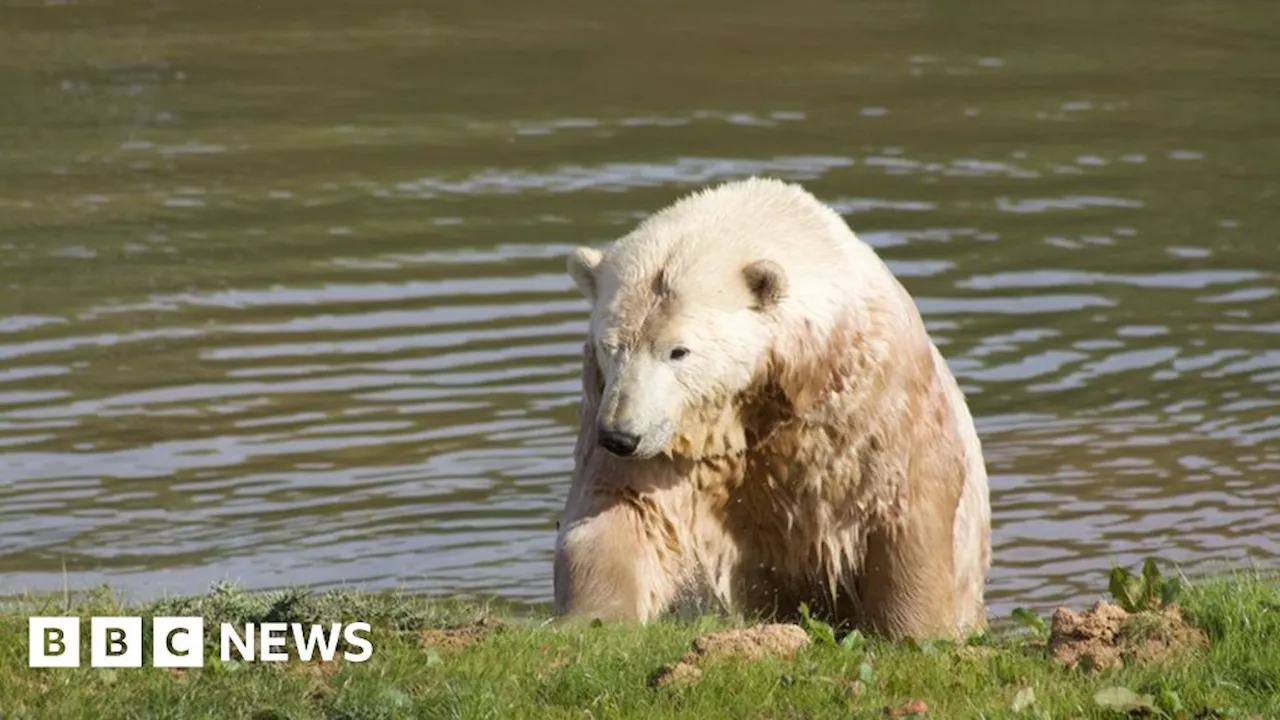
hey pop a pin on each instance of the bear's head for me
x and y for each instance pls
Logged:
(675, 339)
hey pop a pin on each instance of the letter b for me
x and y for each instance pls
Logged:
(53, 642)
(115, 642)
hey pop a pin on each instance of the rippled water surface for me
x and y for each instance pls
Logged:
(282, 296)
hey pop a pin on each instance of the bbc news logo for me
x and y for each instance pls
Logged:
(178, 642)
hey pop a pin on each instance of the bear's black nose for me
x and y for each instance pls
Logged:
(619, 443)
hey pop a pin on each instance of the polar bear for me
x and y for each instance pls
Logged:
(766, 423)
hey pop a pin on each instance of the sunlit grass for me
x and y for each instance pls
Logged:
(531, 666)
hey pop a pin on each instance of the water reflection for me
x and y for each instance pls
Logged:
(282, 294)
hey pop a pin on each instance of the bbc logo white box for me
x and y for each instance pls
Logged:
(115, 642)
(53, 642)
(177, 642)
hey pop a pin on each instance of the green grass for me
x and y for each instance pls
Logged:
(533, 667)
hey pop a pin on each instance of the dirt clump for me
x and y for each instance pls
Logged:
(753, 643)
(457, 638)
(853, 689)
(323, 670)
(677, 673)
(757, 642)
(913, 708)
(321, 673)
(975, 653)
(1106, 636)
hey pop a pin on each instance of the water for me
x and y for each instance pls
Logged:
(282, 296)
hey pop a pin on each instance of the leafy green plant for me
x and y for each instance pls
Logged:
(1169, 700)
(1124, 700)
(854, 640)
(866, 673)
(1024, 699)
(1148, 591)
(1030, 620)
(821, 632)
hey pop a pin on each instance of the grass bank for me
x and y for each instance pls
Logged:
(453, 660)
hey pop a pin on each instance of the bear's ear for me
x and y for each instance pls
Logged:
(767, 282)
(582, 266)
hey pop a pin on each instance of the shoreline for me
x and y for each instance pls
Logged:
(1160, 647)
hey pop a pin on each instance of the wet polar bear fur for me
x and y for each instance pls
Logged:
(765, 422)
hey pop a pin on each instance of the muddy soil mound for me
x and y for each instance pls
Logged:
(752, 643)
(456, 638)
(1106, 636)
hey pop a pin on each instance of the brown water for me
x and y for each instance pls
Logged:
(282, 295)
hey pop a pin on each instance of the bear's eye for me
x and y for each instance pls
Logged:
(679, 353)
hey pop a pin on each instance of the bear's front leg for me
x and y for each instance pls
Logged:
(907, 584)
(617, 558)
